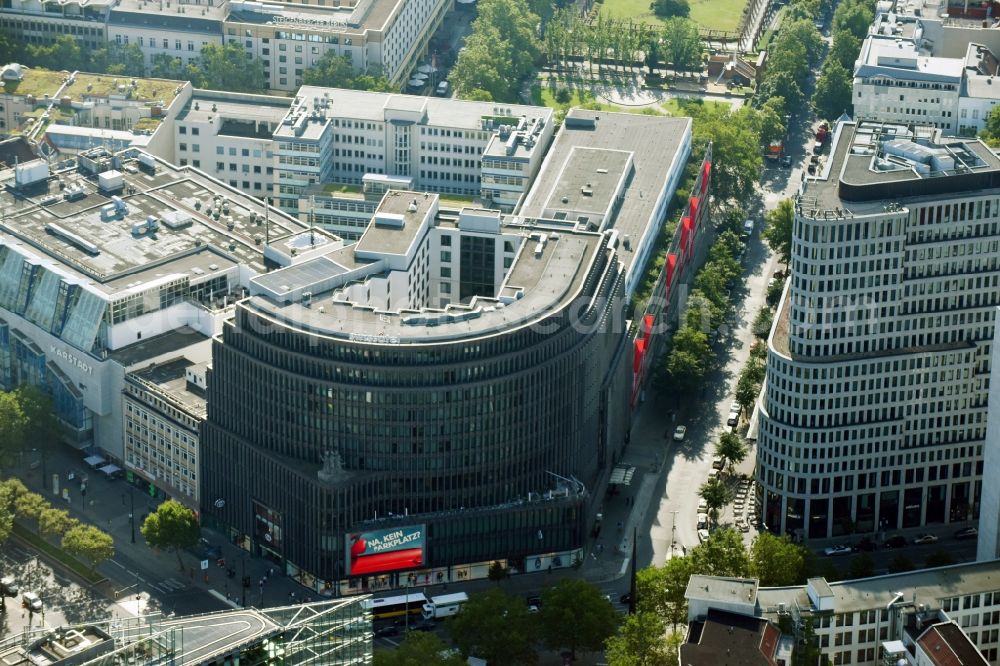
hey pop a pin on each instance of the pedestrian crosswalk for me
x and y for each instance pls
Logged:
(168, 585)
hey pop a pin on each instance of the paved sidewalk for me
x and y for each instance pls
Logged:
(107, 504)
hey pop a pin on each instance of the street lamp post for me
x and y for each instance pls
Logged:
(131, 515)
(244, 580)
(673, 531)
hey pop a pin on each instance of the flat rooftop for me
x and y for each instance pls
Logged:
(380, 107)
(926, 586)
(654, 144)
(546, 281)
(206, 105)
(157, 346)
(872, 164)
(169, 378)
(117, 257)
(180, 17)
(719, 588)
(408, 209)
(363, 16)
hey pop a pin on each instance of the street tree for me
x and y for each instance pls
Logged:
(334, 70)
(480, 68)
(774, 291)
(498, 572)
(30, 506)
(495, 626)
(716, 495)
(776, 561)
(803, 32)
(55, 522)
(13, 425)
(855, 17)
(686, 363)
(833, 91)
(418, 649)
(230, 67)
(575, 615)
(128, 58)
(63, 53)
(6, 513)
(845, 49)
(861, 566)
(44, 429)
(777, 231)
(736, 158)
(747, 391)
(723, 554)
(515, 24)
(782, 83)
(731, 449)
(640, 641)
(991, 132)
(772, 120)
(668, 8)
(164, 66)
(172, 526)
(660, 590)
(939, 558)
(90, 543)
(901, 563)
(762, 323)
(681, 44)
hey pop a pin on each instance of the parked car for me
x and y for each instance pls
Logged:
(32, 602)
(926, 538)
(8, 586)
(786, 161)
(716, 462)
(702, 536)
(680, 432)
(967, 533)
(734, 413)
(702, 507)
(535, 601)
(702, 521)
(837, 550)
(205, 550)
(895, 541)
(423, 625)
(748, 228)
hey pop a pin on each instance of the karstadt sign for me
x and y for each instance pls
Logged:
(72, 359)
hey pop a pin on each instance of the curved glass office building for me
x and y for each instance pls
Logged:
(445, 393)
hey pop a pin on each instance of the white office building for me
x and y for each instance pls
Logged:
(923, 69)
(874, 413)
(229, 136)
(387, 36)
(866, 622)
(450, 147)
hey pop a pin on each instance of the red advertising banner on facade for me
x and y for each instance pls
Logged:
(379, 551)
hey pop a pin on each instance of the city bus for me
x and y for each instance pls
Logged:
(385, 607)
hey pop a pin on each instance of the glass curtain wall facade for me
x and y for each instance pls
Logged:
(467, 437)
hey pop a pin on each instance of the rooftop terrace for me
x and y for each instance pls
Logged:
(41, 82)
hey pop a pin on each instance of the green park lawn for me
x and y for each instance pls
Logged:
(709, 14)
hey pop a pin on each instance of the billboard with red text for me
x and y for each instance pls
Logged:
(379, 551)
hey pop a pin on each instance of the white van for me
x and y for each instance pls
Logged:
(443, 89)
